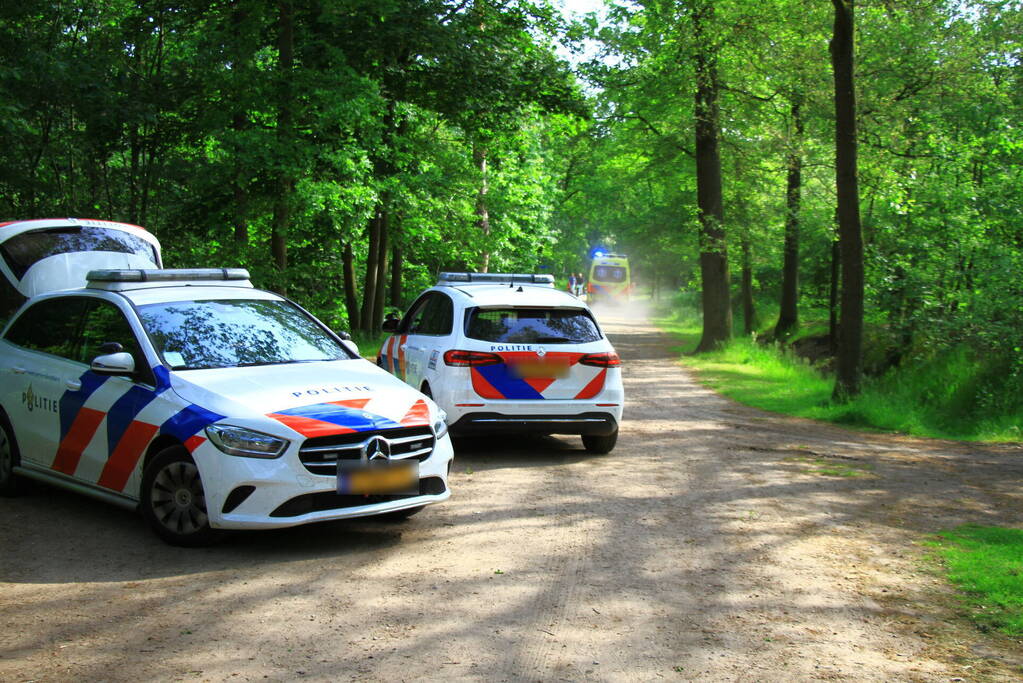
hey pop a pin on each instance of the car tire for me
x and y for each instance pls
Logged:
(600, 444)
(400, 515)
(174, 501)
(10, 457)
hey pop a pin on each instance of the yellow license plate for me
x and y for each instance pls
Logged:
(540, 370)
(390, 477)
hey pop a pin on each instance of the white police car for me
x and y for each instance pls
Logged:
(509, 353)
(210, 405)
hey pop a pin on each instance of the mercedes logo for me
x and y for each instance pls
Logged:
(541, 351)
(377, 448)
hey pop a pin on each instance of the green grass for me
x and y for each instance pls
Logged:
(952, 395)
(986, 563)
(369, 344)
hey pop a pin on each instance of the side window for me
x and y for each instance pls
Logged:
(105, 324)
(439, 316)
(10, 300)
(413, 322)
(50, 326)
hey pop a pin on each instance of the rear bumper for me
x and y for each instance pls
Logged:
(592, 423)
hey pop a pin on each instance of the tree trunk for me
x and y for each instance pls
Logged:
(479, 157)
(239, 122)
(749, 311)
(717, 311)
(380, 293)
(788, 316)
(369, 286)
(836, 273)
(850, 331)
(396, 266)
(285, 184)
(351, 297)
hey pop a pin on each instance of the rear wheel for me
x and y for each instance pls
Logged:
(173, 499)
(600, 444)
(10, 483)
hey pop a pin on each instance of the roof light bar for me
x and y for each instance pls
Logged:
(495, 278)
(168, 275)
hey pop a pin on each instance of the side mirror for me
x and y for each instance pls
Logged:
(351, 346)
(390, 325)
(114, 364)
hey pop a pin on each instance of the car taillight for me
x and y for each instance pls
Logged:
(601, 360)
(468, 359)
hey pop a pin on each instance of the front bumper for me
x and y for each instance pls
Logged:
(282, 493)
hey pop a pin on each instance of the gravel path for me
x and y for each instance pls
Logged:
(706, 546)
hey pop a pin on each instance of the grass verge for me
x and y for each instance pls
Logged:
(952, 396)
(986, 563)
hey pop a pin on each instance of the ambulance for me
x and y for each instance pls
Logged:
(610, 279)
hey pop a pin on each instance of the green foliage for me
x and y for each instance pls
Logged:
(985, 563)
(956, 394)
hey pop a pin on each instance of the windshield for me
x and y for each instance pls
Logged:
(532, 325)
(22, 251)
(192, 335)
(609, 273)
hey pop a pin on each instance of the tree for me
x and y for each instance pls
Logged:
(850, 333)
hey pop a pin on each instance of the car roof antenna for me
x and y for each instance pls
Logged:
(519, 289)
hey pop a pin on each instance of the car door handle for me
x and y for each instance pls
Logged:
(403, 347)
(73, 384)
(18, 371)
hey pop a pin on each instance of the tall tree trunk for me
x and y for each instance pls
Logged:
(351, 297)
(749, 311)
(397, 259)
(479, 157)
(788, 316)
(836, 273)
(239, 122)
(850, 331)
(717, 311)
(285, 184)
(380, 292)
(369, 287)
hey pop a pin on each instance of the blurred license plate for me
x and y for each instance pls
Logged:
(540, 369)
(378, 476)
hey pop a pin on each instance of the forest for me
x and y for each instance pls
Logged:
(855, 169)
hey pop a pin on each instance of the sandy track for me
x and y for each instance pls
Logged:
(703, 547)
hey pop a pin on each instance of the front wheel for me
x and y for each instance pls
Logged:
(10, 483)
(600, 445)
(173, 499)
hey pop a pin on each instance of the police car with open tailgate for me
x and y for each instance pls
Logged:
(509, 353)
(209, 405)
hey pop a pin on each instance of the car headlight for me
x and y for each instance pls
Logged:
(440, 424)
(245, 442)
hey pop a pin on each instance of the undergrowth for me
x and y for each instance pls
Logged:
(955, 394)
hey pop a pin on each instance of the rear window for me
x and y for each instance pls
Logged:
(609, 273)
(21, 251)
(531, 325)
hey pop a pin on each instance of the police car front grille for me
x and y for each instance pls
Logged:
(320, 454)
(328, 500)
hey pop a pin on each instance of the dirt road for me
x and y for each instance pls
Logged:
(706, 546)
